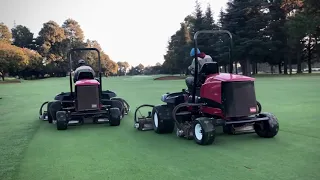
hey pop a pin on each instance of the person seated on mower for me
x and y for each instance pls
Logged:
(82, 68)
(202, 59)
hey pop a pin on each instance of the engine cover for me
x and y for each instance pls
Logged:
(238, 98)
(87, 98)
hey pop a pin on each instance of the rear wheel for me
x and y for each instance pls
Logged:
(160, 125)
(201, 136)
(126, 107)
(268, 128)
(228, 129)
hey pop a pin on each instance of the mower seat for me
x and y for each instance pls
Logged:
(83, 74)
(208, 69)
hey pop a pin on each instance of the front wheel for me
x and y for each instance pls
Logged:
(201, 136)
(268, 128)
(62, 120)
(115, 117)
(161, 125)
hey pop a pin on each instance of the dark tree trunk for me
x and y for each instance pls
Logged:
(256, 68)
(225, 68)
(245, 66)
(285, 66)
(271, 68)
(253, 68)
(299, 68)
(279, 66)
(236, 67)
(290, 66)
(309, 55)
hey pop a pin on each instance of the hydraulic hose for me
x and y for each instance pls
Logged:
(174, 111)
(40, 111)
(124, 102)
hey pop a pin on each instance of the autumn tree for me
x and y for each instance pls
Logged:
(5, 34)
(12, 59)
(122, 68)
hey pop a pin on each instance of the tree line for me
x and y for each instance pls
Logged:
(280, 33)
(284, 34)
(26, 56)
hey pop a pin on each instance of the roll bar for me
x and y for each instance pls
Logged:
(70, 64)
(196, 57)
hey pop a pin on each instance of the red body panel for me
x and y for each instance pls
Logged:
(87, 82)
(211, 89)
(229, 77)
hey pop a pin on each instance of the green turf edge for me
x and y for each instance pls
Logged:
(17, 168)
(12, 171)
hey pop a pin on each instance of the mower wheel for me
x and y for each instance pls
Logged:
(203, 133)
(62, 122)
(269, 128)
(126, 107)
(50, 117)
(53, 108)
(162, 125)
(115, 116)
(228, 129)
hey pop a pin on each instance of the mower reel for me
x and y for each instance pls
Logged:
(143, 122)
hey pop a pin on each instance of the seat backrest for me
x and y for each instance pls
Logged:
(85, 75)
(209, 68)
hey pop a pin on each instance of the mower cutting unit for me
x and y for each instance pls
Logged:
(218, 99)
(88, 101)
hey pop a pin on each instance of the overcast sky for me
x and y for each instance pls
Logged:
(136, 31)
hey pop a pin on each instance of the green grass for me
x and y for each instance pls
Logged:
(30, 149)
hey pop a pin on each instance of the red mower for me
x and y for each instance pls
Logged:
(86, 102)
(217, 99)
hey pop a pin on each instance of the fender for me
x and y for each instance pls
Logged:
(206, 123)
(164, 112)
(54, 107)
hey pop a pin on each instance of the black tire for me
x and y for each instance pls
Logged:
(53, 108)
(116, 103)
(200, 136)
(50, 117)
(62, 120)
(125, 105)
(269, 128)
(228, 129)
(115, 116)
(160, 125)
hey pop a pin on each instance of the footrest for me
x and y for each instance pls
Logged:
(182, 113)
(69, 108)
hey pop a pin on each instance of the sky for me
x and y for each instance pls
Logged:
(134, 31)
